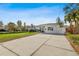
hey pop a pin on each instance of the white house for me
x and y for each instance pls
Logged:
(52, 28)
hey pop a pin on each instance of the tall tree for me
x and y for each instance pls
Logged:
(1, 24)
(19, 24)
(59, 22)
(68, 18)
(24, 27)
(33, 27)
(72, 12)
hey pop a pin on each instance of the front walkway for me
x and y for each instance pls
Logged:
(38, 45)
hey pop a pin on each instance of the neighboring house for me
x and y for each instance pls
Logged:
(2, 29)
(30, 28)
(37, 28)
(52, 28)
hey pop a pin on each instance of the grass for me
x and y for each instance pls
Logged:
(74, 38)
(10, 36)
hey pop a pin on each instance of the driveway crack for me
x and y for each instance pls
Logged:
(9, 50)
(39, 47)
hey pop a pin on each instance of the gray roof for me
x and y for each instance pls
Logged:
(47, 24)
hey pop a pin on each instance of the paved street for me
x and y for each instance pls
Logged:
(38, 45)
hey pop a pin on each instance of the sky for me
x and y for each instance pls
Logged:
(31, 13)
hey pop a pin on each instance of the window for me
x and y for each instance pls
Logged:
(50, 28)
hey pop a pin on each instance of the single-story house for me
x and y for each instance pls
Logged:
(52, 28)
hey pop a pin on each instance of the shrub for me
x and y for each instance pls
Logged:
(74, 38)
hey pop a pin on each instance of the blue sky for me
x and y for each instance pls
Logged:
(31, 13)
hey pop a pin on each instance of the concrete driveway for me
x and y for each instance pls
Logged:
(38, 45)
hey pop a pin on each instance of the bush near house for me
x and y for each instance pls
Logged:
(71, 29)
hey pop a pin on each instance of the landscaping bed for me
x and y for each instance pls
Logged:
(74, 41)
(10, 36)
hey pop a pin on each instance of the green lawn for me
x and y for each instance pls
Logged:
(74, 38)
(10, 36)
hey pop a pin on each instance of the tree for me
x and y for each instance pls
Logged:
(1, 24)
(59, 22)
(19, 25)
(32, 28)
(32, 25)
(24, 27)
(11, 27)
(68, 18)
(72, 15)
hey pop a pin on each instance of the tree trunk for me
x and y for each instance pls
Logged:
(71, 28)
(76, 27)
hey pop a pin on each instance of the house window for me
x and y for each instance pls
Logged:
(50, 28)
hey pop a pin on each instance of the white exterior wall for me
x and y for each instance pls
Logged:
(56, 29)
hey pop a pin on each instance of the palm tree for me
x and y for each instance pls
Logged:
(71, 9)
(68, 18)
(72, 15)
